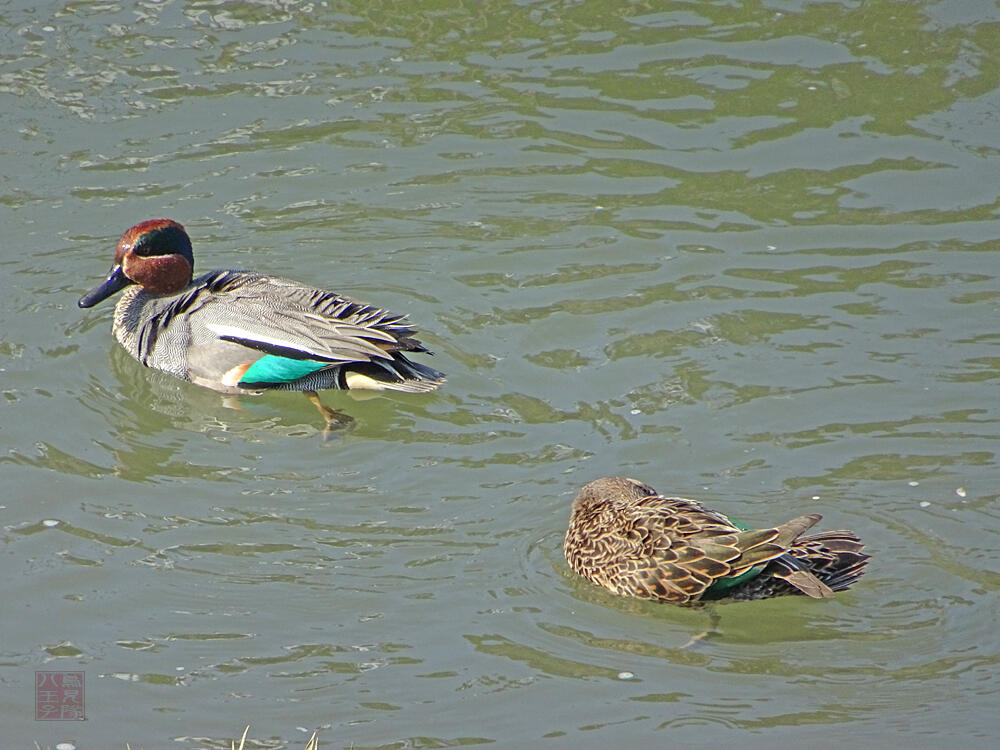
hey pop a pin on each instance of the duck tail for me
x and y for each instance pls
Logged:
(834, 557)
(805, 582)
(397, 374)
(817, 566)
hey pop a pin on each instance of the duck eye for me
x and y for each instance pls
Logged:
(147, 244)
(161, 241)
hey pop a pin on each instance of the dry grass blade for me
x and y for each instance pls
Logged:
(242, 739)
(313, 743)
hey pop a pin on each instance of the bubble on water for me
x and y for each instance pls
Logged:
(960, 491)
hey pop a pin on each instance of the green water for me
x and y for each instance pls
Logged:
(744, 252)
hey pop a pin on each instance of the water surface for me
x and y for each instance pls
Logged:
(746, 253)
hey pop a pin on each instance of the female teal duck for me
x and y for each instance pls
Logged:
(244, 332)
(631, 540)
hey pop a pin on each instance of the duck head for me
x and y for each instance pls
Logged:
(609, 489)
(154, 254)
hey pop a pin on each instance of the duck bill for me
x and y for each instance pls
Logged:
(116, 281)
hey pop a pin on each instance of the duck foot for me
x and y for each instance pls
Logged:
(695, 638)
(335, 420)
(711, 630)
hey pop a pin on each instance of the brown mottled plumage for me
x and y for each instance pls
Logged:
(631, 540)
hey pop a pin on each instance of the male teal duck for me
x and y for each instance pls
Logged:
(625, 536)
(245, 332)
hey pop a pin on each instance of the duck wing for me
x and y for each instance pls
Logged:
(677, 549)
(287, 319)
